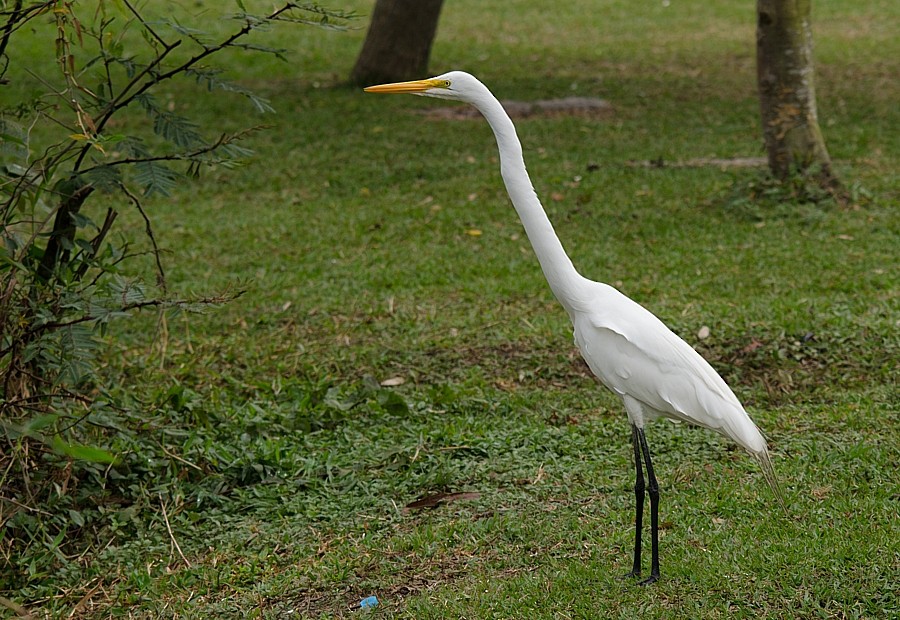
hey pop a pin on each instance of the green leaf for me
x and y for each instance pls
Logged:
(82, 221)
(13, 140)
(8, 261)
(210, 77)
(392, 402)
(104, 178)
(38, 423)
(81, 452)
(171, 126)
(194, 33)
(155, 178)
(76, 518)
(176, 129)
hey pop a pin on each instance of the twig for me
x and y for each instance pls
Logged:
(150, 303)
(162, 328)
(700, 162)
(84, 599)
(223, 140)
(26, 507)
(137, 16)
(160, 272)
(15, 608)
(169, 528)
(126, 96)
(180, 460)
(97, 241)
(25, 401)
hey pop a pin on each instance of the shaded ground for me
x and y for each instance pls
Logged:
(591, 107)
(586, 107)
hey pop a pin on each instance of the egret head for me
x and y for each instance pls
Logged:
(455, 85)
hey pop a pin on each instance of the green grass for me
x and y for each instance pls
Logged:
(349, 233)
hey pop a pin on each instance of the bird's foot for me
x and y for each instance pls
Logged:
(653, 578)
(635, 574)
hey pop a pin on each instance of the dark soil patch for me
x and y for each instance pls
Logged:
(794, 367)
(514, 364)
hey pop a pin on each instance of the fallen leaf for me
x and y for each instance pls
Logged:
(433, 501)
(753, 346)
(703, 334)
(821, 492)
(473, 232)
(393, 382)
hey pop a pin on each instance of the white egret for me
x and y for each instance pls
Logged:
(656, 373)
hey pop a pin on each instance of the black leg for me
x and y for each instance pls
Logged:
(638, 503)
(653, 491)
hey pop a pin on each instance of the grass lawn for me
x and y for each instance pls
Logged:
(396, 338)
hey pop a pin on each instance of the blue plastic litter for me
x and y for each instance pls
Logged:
(370, 601)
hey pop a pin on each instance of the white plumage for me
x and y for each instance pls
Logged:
(630, 350)
(636, 356)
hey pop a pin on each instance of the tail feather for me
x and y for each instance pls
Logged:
(765, 463)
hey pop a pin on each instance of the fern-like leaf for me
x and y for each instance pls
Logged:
(155, 178)
(104, 178)
(173, 127)
(211, 78)
(13, 141)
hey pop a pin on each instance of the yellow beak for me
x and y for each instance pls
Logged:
(416, 86)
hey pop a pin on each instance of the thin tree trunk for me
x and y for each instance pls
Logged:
(787, 95)
(398, 43)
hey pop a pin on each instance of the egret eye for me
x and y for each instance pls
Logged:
(444, 83)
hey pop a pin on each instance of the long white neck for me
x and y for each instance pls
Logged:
(555, 263)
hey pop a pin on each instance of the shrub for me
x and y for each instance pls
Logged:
(83, 135)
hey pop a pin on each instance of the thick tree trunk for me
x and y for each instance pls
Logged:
(398, 43)
(787, 95)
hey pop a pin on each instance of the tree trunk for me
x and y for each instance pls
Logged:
(398, 42)
(787, 95)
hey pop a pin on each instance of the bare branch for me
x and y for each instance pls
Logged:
(223, 140)
(137, 305)
(160, 272)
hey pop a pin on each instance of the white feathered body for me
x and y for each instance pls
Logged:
(656, 373)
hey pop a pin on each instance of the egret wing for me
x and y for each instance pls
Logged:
(633, 353)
